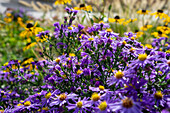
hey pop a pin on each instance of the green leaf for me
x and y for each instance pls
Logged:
(110, 6)
(83, 18)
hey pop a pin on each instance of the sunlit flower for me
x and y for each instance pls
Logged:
(30, 30)
(62, 2)
(84, 7)
(129, 21)
(126, 105)
(159, 34)
(145, 27)
(138, 33)
(79, 106)
(159, 14)
(143, 12)
(164, 29)
(8, 20)
(29, 45)
(116, 19)
(167, 20)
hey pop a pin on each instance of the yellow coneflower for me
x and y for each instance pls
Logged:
(143, 12)
(27, 61)
(167, 20)
(8, 20)
(129, 21)
(8, 14)
(29, 45)
(145, 27)
(138, 33)
(116, 19)
(159, 34)
(159, 14)
(164, 29)
(30, 30)
(62, 2)
(84, 7)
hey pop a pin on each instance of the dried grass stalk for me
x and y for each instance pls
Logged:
(24, 3)
(35, 7)
(41, 6)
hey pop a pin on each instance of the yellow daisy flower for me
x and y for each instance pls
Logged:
(116, 19)
(158, 34)
(138, 33)
(129, 21)
(62, 2)
(145, 27)
(29, 45)
(167, 20)
(143, 12)
(164, 29)
(84, 7)
(30, 30)
(159, 14)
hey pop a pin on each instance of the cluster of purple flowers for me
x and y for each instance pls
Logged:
(99, 73)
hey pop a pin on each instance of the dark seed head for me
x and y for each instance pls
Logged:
(28, 44)
(117, 17)
(160, 32)
(136, 31)
(29, 25)
(143, 11)
(165, 25)
(160, 11)
(82, 5)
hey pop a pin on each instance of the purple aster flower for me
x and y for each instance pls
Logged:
(161, 97)
(118, 78)
(104, 106)
(143, 60)
(165, 65)
(126, 105)
(79, 106)
(100, 89)
(62, 99)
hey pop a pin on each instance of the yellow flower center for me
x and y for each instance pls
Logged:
(160, 72)
(148, 46)
(158, 95)
(70, 28)
(57, 60)
(119, 74)
(132, 50)
(102, 106)
(127, 102)
(79, 72)
(142, 57)
(45, 108)
(101, 87)
(63, 96)
(79, 104)
(19, 104)
(166, 45)
(27, 103)
(48, 95)
(4, 96)
(108, 30)
(90, 39)
(72, 54)
(64, 76)
(132, 38)
(95, 97)
(124, 42)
